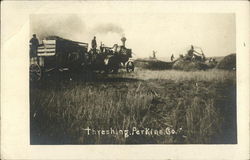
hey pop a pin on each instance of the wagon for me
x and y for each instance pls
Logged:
(59, 54)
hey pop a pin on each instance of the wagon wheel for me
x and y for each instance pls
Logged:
(130, 66)
(35, 72)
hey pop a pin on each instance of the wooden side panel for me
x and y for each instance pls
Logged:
(47, 49)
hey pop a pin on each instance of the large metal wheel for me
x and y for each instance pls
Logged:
(35, 72)
(130, 67)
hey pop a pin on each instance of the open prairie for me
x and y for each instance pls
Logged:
(143, 107)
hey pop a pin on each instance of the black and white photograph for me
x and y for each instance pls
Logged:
(153, 79)
(115, 79)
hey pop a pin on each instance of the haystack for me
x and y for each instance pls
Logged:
(228, 62)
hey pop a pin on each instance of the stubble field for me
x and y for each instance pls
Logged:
(199, 106)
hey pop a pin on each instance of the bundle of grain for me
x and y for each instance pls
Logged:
(228, 62)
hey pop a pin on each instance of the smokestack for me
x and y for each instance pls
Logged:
(123, 39)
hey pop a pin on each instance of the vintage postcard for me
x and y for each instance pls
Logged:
(124, 80)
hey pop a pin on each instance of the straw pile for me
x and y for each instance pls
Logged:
(228, 62)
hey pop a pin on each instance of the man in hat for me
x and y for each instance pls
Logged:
(172, 57)
(93, 44)
(33, 46)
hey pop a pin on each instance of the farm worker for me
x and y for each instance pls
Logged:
(101, 47)
(93, 43)
(154, 54)
(191, 51)
(33, 46)
(172, 57)
(203, 56)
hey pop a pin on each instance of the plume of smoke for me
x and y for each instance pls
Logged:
(108, 28)
(73, 27)
(66, 26)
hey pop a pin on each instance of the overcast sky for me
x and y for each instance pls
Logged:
(166, 33)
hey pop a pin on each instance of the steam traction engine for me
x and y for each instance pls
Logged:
(116, 57)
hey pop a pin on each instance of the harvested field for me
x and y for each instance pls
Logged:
(199, 106)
